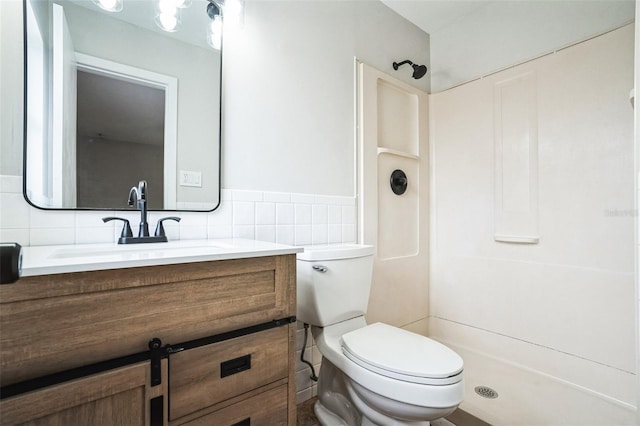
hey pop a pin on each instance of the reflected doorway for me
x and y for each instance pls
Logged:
(120, 126)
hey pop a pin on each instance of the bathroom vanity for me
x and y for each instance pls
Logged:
(196, 333)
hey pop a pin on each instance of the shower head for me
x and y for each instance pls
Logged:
(418, 70)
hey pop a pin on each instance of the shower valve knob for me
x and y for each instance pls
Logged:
(398, 182)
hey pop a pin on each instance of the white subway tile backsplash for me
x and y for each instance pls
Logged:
(285, 214)
(225, 194)
(92, 219)
(244, 231)
(303, 235)
(15, 212)
(304, 395)
(319, 214)
(300, 339)
(319, 234)
(193, 232)
(51, 236)
(334, 215)
(335, 234)
(315, 355)
(52, 219)
(94, 235)
(303, 214)
(216, 231)
(348, 215)
(11, 184)
(285, 234)
(265, 213)
(294, 219)
(187, 219)
(277, 197)
(222, 215)
(20, 236)
(303, 379)
(243, 213)
(302, 198)
(266, 233)
(348, 233)
(243, 195)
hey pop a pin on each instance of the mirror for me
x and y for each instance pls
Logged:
(112, 99)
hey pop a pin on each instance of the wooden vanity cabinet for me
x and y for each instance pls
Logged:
(245, 308)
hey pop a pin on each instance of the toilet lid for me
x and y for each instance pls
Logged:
(398, 353)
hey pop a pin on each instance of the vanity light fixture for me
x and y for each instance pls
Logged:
(214, 31)
(109, 5)
(168, 15)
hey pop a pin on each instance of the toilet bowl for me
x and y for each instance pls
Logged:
(373, 374)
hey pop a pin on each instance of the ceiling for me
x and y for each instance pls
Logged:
(471, 39)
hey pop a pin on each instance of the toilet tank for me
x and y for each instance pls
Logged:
(333, 283)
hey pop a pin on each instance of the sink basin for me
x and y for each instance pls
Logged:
(186, 248)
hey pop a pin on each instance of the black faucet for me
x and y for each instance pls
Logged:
(140, 194)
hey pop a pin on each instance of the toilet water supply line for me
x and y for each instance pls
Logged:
(304, 346)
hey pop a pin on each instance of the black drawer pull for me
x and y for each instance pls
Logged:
(245, 422)
(236, 365)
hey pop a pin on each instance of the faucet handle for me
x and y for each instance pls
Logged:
(126, 229)
(160, 228)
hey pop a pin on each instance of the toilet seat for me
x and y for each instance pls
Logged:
(402, 355)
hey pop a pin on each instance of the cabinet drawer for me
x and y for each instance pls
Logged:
(209, 374)
(267, 408)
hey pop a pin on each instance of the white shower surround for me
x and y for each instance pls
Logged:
(553, 323)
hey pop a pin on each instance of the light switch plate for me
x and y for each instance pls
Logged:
(189, 178)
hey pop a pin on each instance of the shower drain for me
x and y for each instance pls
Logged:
(486, 392)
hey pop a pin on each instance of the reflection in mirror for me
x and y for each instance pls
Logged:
(113, 98)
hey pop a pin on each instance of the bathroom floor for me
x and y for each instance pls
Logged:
(306, 417)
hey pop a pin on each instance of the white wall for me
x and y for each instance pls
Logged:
(289, 90)
(11, 115)
(637, 168)
(550, 326)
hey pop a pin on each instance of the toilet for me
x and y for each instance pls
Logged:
(371, 374)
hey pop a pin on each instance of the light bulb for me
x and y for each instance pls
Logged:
(109, 5)
(168, 21)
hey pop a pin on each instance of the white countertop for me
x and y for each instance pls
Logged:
(44, 260)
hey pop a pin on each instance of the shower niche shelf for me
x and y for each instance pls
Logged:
(398, 153)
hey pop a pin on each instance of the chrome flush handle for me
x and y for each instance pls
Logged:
(320, 268)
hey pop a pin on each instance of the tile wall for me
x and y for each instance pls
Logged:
(285, 218)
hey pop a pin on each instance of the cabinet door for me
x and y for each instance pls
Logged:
(116, 397)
